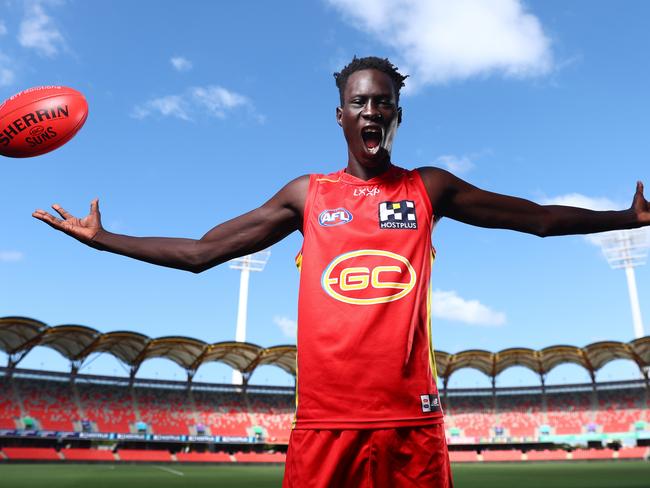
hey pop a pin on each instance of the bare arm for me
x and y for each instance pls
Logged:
(454, 198)
(248, 233)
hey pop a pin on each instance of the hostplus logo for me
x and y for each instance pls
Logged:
(397, 215)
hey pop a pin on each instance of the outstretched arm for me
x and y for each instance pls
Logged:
(454, 198)
(248, 233)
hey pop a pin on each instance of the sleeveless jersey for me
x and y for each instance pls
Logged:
(365, 358)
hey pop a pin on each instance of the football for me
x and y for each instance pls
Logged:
(40, 119)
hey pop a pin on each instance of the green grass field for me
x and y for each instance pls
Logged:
(632, 474)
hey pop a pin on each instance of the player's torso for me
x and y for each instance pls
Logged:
(364, 357)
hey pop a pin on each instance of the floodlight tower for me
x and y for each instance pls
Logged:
(251, 262)
(628, 249)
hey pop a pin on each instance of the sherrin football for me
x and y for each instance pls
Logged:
(40, 119)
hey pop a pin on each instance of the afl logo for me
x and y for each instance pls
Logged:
(368, 277)
(338, 216)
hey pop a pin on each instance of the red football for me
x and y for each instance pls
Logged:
(40, 119)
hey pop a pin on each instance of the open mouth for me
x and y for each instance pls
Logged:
(372, 137)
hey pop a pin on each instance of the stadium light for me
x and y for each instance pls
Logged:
(627, 249)
(251, 262)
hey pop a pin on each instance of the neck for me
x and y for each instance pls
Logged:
(366, 172)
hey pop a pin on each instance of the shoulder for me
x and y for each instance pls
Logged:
(436, 180)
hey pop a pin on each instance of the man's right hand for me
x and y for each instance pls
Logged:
(83, 230)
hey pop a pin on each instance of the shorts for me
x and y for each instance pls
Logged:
(403, 457)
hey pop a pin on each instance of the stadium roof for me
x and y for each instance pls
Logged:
(19, 335)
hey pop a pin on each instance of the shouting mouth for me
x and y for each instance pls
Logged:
(372, 138)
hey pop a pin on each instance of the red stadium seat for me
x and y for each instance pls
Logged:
(491, 455)
(203, 457)
(463, 456)
(31, 453)
(633, 453)
(593, 454)
(77, 454)
(556, 455)
(144, 455)
(254, 457)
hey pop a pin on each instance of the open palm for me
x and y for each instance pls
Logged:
(83, 229)
(641, 206)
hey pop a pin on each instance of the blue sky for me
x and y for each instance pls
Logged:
(200, 111)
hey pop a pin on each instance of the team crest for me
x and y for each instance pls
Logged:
(397, 215)
(338, 216)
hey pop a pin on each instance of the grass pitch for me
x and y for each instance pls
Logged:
(621, 474)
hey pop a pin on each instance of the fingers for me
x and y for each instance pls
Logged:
(639, 187)
(94, 206)
(48, 218)
(61, 211)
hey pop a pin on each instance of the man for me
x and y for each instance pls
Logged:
(368, 410)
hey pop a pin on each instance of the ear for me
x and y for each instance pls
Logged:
(399, 115)
(339, 115)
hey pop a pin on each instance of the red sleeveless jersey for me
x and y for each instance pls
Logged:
(365, 358)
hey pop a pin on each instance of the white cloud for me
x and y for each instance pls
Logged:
(7, 75)
(286, 325)
(11, 256)
(168, 106)
(448, 305)
(437, 41)
(456, 164)
(38, 31)
(217, 100)
(180, 63)
(212, 100)
(3, 28)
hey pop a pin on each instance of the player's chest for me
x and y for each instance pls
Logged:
(369, 210)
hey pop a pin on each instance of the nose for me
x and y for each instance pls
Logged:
(371, 111)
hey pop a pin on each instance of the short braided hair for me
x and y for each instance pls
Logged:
(370, 62)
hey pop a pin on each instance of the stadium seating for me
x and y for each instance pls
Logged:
(31, 453)
(144, 455)
(114, 407)
(77, 454)
(618, 410)
(110, 407)
(254, 457)
(224, 413)
(9, 410)
(593, 454)
(475, 416)
(633, 453)
(569, 412)
(463, 456)
(51, 403)
(165, 411)
(556, 455)
(511, 455)
(203, 457)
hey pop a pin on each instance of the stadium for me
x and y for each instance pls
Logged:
(207, 430)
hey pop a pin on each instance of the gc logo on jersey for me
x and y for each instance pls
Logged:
(338, 216)
(397, 215)
(368, 277)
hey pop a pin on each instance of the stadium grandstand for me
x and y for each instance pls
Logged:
(55, 416)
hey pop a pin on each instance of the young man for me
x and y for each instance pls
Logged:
(368, 410)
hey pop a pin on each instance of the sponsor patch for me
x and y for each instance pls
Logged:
(337, 216)
(397, 215)
(430, 403)
(367, 191)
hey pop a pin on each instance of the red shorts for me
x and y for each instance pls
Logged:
(368, 458)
